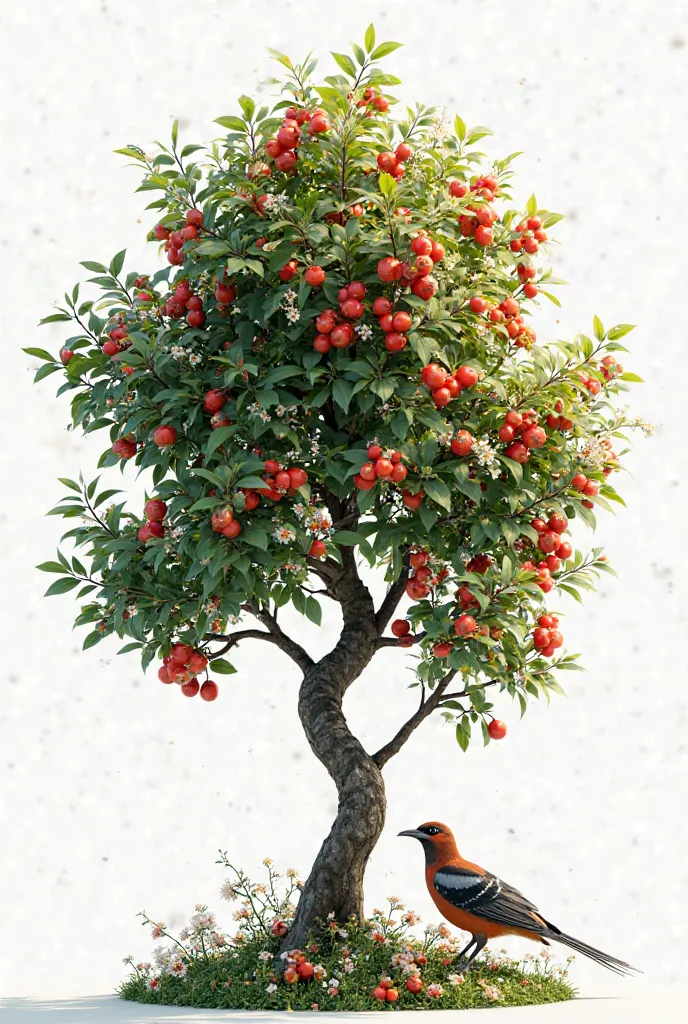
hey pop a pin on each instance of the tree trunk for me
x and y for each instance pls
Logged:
(335, 884)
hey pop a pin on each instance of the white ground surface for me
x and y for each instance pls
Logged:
(645, 1005)
(116, 794)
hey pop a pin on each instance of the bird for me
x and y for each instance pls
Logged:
(478, 902)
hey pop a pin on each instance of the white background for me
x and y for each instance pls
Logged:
(117, 792)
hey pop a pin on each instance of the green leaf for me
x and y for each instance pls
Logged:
(383, 49)
(222, 667)
(369, 40)
(531, 206)
(117, 263)
(463, 732)
(130, 151)
(631, 378)
(388, 185)
(341, 392)
(213, 247)
(62, 586)
(235, 124)
(92, 639)
(54, 318)
(175, 132)
(248, 107)
(258, 538)
(439, 492)
(598, 328)
(619, 331)
(70, 483)
(203, 503)
(40, 353)
(345, 63)
(52, 567)
(313, 610)
(459, 128)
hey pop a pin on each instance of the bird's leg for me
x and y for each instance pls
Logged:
(479, 941)
(462, 967)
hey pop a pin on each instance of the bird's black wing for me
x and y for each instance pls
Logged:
(487, 896)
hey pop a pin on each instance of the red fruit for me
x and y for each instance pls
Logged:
(467, 376)
(414, 984)
(534, 437)
(251, 500)
(289, 270)
(325, 322)
(441, 397)
(221, 518)
(305, 970)
(465, 625)
(403, 152)
(517, 452)
(496, 729)
(273, 148)
(424, 287)
(483, 235)
(556, 639)
(191, 688)
(548, 541)
(188, 233)
(386, 162)
(65, 355)
(180, 654)
(125, 447)
(386, 323)
(457, 189)
(209, 690)
(163, 675)
(437, 252)
(197, 662)
(421, 246)
(232, 529)
(271, 466)
(540, 637)
(352, 309)
(395, 342)
(530, 290)
(384, 467)
(357, 290)
(424, 266)
(282, 480)
(564, 551)
(298, 477)
(505, 433)
(413, 501)
(194, 217)
(416, 590)
(540, 525)
(175, 257)
(392, 995)
(389, 269)
(380, 993)
(399, 473)
(195, 318)
(478, 304)
(374, 451)
(553, 563)
(318, 123)
(400, 627)
(401, 321)
(579, 482)
(285, 161)
(442, 650)
(462, 443)
(509, 307)
(367, 471)
(591, 488)
(111, 348)
(433, 376)
(161, 232)
(342, 335)
(155, 510)
(145, 533)
(364, 485)
(382, 306)
(315, 276)
(318, 549)
(322, 343)
(225, 293)
(558, 523)
(214, 400)
(513, 419)
(164, 436)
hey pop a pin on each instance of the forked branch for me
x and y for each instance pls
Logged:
(408, 728)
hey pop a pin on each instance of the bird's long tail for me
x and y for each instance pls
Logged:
(610, 962)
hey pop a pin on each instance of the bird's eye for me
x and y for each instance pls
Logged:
(433, 830)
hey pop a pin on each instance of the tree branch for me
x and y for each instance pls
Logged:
(426, 708)
(277, 636)
(232, 639)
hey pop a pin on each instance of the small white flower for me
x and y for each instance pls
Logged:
(271, 988)
(265, 955)
(364, 331)
(484, 453)
(284, 535)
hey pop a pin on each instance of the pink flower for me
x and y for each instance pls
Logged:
(158, 930)
(435, 991)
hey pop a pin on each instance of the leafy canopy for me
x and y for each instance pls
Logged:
(318, 411)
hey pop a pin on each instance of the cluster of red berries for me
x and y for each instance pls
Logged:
(525, 427)
(444, 385)
(280, 481)
(394, 324)
(551, 544)
(371, 98)
(424, 576)
(181, 666)
(387, 993)
(401, 628)
(610, 367)
(381, 465)
(508, 313)
(155, 512)
(413, 499)
(530, 235)
(555, 421)
(478, 224)
(590, 488)
(415, 275)
(117, 342)
(393, 163)
(335, 330)
(546, 636)
(223, 521)
(487, 186)
(213, 402)
(591, 383)
(174, 240)
(282, 149)
(299, 969)
(183, 300)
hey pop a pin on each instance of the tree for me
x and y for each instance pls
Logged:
(337, 366)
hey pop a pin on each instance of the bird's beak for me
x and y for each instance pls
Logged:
(414, 833)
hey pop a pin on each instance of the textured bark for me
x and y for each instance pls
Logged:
(335, 883)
